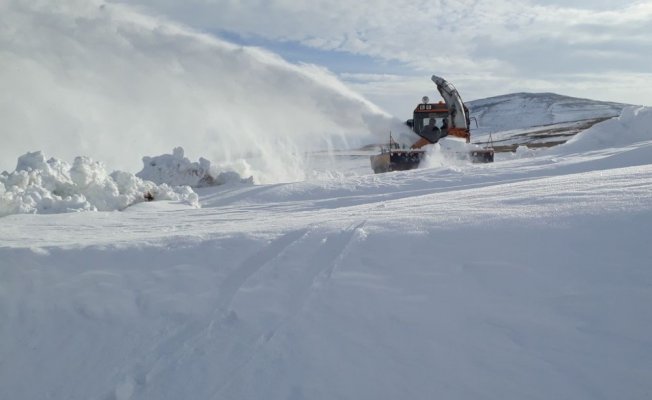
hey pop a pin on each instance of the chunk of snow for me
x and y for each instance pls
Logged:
(175, 169)
(522, 151)
(54, 186)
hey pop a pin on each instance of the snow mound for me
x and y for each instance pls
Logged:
(54, 186)
(634, 125)
(175, 169)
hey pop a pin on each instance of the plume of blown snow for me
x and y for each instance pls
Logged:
(85, 77)
(54, 186)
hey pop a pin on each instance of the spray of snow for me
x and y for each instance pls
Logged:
(84, 77)
(447, 153)
(54, 186)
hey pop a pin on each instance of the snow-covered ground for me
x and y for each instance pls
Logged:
(527, 278)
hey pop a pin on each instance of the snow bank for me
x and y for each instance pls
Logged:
(634, 125)
(54, 186)
(176, 170)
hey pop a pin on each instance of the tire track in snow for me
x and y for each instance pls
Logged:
(250, 266)
(316, 264)
(180, 345)
(311, 259)
(325, 259)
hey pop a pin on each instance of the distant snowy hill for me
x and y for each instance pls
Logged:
(526, 110)
(535, 119)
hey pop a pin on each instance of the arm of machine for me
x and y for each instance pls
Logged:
(453, 101)
(456, 108)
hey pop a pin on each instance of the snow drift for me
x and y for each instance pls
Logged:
(54, 186)
(634, 125)
(100, 79)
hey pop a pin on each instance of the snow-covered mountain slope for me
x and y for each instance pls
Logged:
(535, 119)
(526, 110)
(526, 278)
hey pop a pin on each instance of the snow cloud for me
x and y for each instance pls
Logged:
(103, 80)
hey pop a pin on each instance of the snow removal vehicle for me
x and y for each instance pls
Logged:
(432, 122)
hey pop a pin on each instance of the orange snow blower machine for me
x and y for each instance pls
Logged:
(432, 122)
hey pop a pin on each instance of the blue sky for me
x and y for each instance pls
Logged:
(387, 49)
(337, 61)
